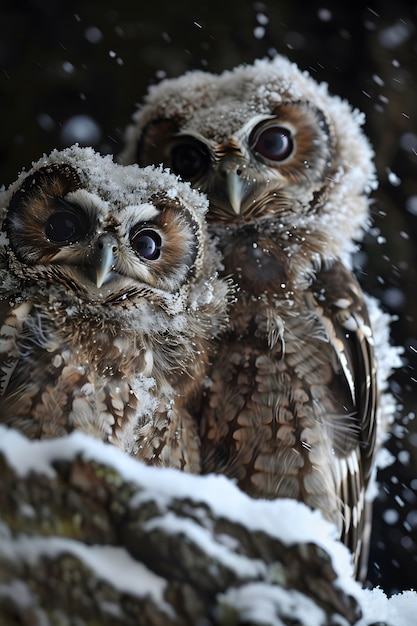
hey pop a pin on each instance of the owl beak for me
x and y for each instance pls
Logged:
(235, 190)
(104, 257)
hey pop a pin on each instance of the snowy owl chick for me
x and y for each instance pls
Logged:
(294, 404)
(109, 303)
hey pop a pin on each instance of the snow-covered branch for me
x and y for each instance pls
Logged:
(90, 536)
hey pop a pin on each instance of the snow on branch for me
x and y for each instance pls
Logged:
(90, 536)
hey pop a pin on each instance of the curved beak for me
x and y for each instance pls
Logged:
(238, 189)
(104, 257)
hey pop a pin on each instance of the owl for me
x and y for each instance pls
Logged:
(109, 303)
(293, 401)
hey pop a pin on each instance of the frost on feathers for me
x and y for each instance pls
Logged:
(287, 220)
(258, 88)
(97, 333)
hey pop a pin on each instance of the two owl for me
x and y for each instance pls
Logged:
(292, 404)
(295, 403)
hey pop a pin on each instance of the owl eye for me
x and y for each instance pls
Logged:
(189, 159)
(66, 225)
(147, 244)
(273, 143)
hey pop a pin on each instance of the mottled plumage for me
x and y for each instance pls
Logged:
(108, 305)
(291, 408)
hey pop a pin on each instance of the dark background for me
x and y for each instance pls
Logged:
(60, 60)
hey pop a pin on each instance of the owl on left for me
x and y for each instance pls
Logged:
(109, 300)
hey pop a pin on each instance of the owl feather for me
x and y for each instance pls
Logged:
(109, 305)
(296, 399)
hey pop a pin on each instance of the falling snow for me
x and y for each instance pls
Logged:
(82, 129)
(393, 178)
(411, 205)
(396, 34)
(259, 32)
(325, 15)
(93, 34)
(170, 51)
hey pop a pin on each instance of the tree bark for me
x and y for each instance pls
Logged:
(89, 536)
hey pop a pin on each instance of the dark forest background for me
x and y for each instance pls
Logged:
(73, 71)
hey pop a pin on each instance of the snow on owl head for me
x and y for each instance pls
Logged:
(294, 404)
(261, 140)
(108, 304)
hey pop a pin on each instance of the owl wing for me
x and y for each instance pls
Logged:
(340, 304)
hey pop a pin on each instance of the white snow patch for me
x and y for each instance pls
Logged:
(399, 610)
(26, 457)
(109, 563)
(259, 603)
(172, 525)
(19, 592)
(172, 193)
(288, 520)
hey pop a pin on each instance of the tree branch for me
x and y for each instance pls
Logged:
(90, 536)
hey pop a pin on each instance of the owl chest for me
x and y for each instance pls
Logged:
(279, 346)
(258, 262)
(265, 421)
(56, 379)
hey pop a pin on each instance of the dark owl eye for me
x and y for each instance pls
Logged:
(274, 143)
(66, 225)
(147, 244)
(189, 159)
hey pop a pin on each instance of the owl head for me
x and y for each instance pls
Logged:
(263, 141)
(116, 243)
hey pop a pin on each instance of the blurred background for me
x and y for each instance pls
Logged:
(73, 71)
